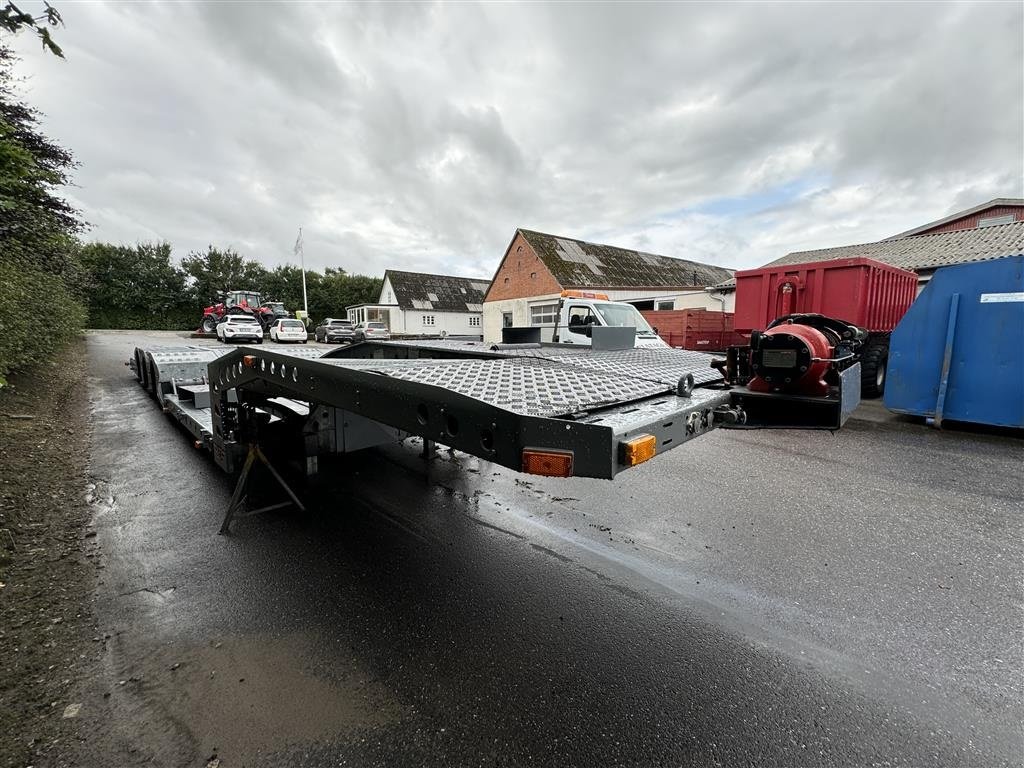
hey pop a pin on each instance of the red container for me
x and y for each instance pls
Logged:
(700, 329)
(860, 291)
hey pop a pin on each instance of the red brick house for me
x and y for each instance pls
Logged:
(537, 267)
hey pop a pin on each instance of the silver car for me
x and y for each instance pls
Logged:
(371, 332)
(333, 329)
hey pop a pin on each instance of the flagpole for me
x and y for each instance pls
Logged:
(302, 261)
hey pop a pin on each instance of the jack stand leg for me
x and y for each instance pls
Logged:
(429, 448)
(239, 494)
(280, 480)
(236, 497)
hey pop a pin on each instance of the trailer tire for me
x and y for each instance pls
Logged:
(873, 362)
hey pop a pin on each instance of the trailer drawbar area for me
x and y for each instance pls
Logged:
(536, 408)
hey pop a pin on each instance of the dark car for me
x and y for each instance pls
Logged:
(371, 331)
(334, 330)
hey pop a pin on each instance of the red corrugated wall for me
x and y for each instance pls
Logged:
(970, 222)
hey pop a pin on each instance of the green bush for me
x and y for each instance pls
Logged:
(37, 315)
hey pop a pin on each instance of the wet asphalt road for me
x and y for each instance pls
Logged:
(754, 598)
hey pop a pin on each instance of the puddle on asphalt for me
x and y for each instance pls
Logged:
(245, 698)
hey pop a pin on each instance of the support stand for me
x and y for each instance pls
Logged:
(429, 448)
(238, 498)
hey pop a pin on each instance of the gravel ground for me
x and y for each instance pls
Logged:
(47, 556)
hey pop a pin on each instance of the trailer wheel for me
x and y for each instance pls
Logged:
(873, 362)
(153, 384)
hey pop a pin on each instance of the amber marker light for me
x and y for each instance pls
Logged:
(638, 450)
(549, 463)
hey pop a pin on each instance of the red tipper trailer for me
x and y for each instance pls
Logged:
(702, 330)
(860, 291)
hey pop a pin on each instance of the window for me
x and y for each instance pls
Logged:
(428, 319)
(624, 316)
(663, 305)
(506, 319)
(581, 316)
(533, 275)
(474, 321)
(506, 281)
(543, 314)
(994, 221)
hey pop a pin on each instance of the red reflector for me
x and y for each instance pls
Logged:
(550, 463)
(249, 361)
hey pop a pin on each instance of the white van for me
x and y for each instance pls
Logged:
(580, 311)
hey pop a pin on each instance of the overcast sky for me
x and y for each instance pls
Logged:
(420, 136)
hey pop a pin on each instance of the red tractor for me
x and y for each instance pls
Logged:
(242, 302)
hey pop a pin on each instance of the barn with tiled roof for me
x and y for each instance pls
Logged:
(537, 267)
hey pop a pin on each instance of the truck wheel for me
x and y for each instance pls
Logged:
(873, 362)
(209, 324)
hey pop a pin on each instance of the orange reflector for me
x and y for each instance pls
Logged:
(550, 463)
(638, 450)
(570, 294)
(249, 361)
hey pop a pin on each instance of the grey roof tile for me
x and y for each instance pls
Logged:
(925, 252)
(578, 264)
(444, 293)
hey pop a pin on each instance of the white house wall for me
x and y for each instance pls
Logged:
(444, 323)
(387, 293)
(520, 309)
(687, 300)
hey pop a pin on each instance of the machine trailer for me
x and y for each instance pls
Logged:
(537, 408)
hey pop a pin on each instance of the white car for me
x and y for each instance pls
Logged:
(286, 329)
(240, 328)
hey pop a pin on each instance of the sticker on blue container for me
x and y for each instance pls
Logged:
(992, 298)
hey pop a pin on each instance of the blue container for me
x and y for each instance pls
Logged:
(958, 353)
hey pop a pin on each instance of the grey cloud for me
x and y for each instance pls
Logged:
(420, 135)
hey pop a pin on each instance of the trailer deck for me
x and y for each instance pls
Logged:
(547, 409)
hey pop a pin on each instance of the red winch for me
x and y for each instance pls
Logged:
(796, 352)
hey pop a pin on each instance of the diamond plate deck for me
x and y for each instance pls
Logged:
(531, 386)
(665, 366)
(549, 381)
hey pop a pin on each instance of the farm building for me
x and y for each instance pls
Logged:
(419, 304)
(1002, 210)
(989, 231)
(537, 267)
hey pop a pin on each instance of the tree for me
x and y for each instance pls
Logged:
(338, 290)
(14, 20)
(136, 287)
(284, 283)
(216, 271)
(39, 273)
